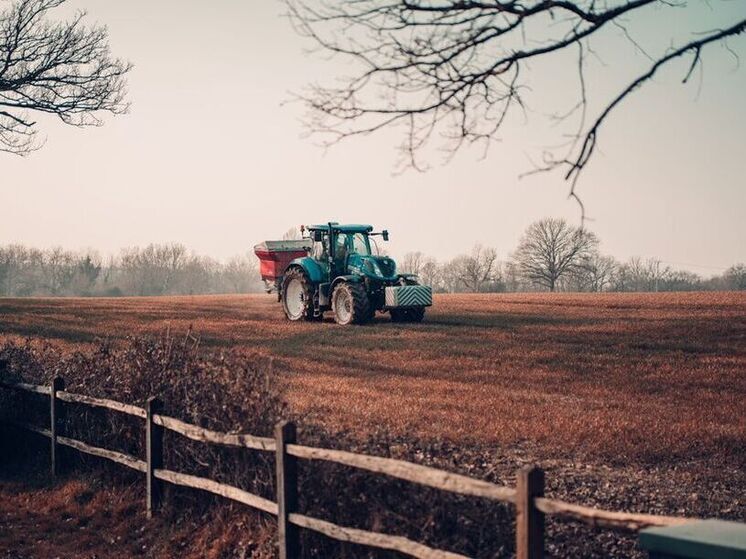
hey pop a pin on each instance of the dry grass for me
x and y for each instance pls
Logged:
(86, 518)
(622, 377)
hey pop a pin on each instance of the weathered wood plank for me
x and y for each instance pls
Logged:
(424, 475)
(222, 489)
(197, 433)
(114, 456)
(25, 387)
(607, 519)
(373, 539)
(102, 403)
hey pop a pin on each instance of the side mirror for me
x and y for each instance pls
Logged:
(317, 236)
(385, 235)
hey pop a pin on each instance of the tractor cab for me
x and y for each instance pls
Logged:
(342, 249)
(340, 272)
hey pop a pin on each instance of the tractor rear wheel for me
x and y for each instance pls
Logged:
(414, 314)
(297, 296)
(350, 303)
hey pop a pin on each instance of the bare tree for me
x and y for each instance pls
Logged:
(594, 272)
(681, 280)
(412, 263)
(59, 68)
(513, 279)
(735, 277)
(154, 269)
(171, 259)
(460, 67)
(18, 270)
(430, 273)
(447, 278)
(197, 275)
(476, 269)
(638, 274)
(58, 269)
(9, 269)
(241, 275)
(551, 248)
(87, 271)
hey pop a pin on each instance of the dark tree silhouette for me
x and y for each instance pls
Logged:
(460, 66)
(551, 248)
(59, 68)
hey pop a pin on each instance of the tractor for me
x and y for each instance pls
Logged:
(332, 268)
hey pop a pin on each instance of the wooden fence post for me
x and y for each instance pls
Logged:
(55, 422)
(529, 530)
(153, 456)
(287, 491)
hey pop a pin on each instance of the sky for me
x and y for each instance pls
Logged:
(211, 155)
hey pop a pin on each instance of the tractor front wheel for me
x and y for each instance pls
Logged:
(350, 304)
(414, 314)
(297, 296)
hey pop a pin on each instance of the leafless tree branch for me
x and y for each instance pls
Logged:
(455, 67)
(59, 68)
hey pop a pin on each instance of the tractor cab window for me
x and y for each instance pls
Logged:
(360, 244)
(340, 247)
(320, 250)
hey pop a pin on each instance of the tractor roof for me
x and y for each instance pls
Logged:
(348, 228)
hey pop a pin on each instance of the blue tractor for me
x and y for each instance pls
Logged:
(339, 272)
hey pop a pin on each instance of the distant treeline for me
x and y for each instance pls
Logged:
(606, 274)
(553, 255)
(157, 269)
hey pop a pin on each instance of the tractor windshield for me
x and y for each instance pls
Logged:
(360, 244)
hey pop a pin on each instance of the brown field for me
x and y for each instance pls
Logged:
(622, 378)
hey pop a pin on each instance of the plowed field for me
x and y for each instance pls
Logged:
(618, 377)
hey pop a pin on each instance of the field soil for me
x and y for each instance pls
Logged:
(621, 377)
(629, 401)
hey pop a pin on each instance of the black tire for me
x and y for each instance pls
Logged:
(306, 295)
(350, 304)
(414, 314)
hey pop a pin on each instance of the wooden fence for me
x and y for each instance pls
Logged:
(527, 497)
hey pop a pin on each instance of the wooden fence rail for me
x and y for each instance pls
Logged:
(527, 497)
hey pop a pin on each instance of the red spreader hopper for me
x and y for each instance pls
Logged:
(274, 256)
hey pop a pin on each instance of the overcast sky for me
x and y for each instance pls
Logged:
(210, 157)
